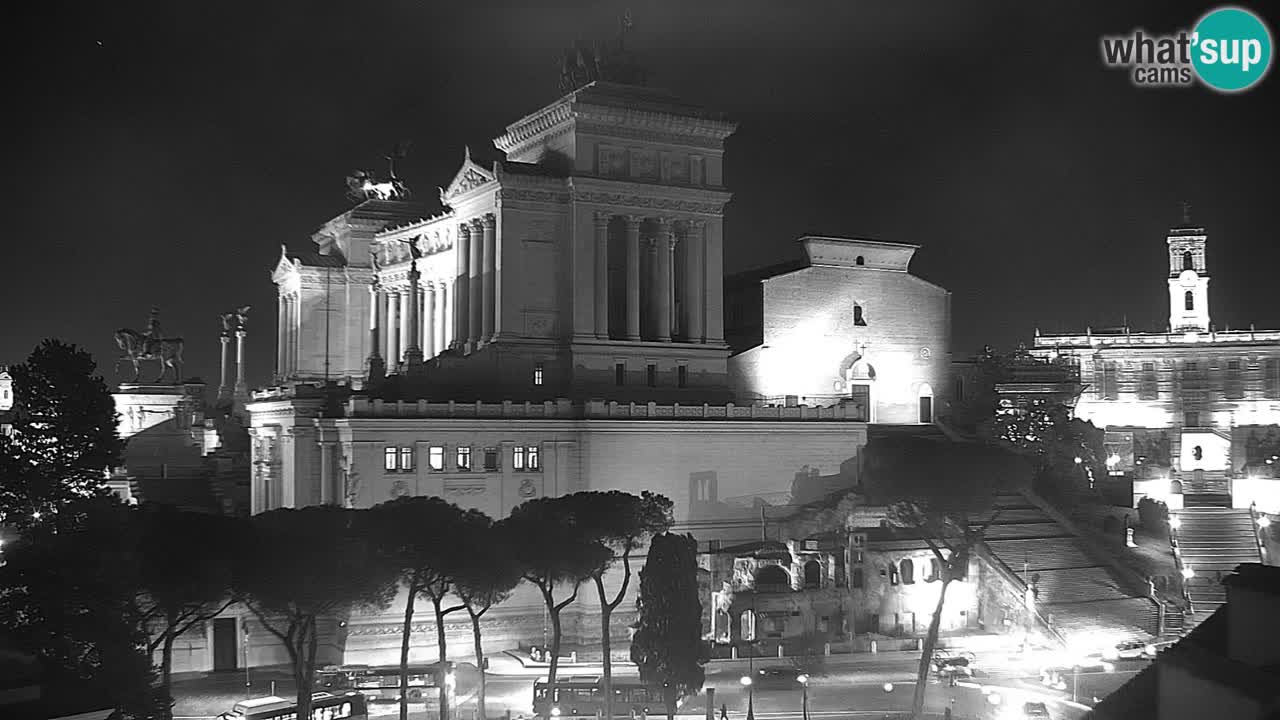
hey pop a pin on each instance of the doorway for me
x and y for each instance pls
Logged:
(224, 644)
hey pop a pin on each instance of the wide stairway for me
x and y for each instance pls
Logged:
(1079, 595)
(1212, 541)
(1205, 488)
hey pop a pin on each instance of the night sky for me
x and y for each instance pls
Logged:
(163, 151)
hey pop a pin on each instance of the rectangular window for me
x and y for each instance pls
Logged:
(517, 457)
(532, 461)
(491, 458)
(1191, 419)
(435, 458)
(389, 459)
(406, 459)
(1271, 378)
(682, 376)
(537, 374)
(926, 409)
(464, 457)
(1148, 387)
(651, 373)
(619, 374)
(1109, 386)
(1232, 385)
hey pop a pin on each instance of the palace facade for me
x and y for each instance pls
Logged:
(559, 326)
(1192, 411)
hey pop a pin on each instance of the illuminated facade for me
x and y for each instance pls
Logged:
(559, 327)
(1192, 411)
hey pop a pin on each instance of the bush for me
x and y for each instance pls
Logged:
(1153, 514)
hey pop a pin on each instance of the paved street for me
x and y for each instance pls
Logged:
(852, 686)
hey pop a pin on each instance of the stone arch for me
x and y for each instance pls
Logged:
(859, 260)
(772, 575)
(1175, 487)
(813, 574)
(1189, 300)
(908, 570)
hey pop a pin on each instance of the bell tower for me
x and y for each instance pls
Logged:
(1188, 278)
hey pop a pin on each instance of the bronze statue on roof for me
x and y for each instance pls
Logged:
(580, 65)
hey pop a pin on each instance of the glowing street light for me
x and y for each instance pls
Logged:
(888, 687)
(1264, 521)
(1175, 522)
(751, 696)
(1188, 572)
(804, 688)
(1079, 460)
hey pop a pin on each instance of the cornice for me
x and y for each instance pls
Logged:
(667, 123)
(552, 197)
(649, 202)
(533, 125)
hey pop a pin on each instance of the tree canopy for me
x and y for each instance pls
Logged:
(64, 434)
(668, 646)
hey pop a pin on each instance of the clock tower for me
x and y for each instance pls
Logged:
(1188, 280)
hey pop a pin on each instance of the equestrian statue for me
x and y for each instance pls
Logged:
(151, 345)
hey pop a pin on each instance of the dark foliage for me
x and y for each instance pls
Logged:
(1153, 514)
(668, 646)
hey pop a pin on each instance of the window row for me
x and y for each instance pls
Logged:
(524, 458)
(651, 375)
(1193, 375)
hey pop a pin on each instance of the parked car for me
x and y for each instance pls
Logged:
(776, 678)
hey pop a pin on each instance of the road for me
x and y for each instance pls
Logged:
(850, 687)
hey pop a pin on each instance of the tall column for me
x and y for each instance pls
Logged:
(429, 320)
(665, 246)
(490, 275)
(295, 320)
(403, 324)
(715, 281)
(375, 302)
(444, 324)
(633, 276)
(282, 334)
(412, 320)
(242, 389)
(327, 470)
(694, 296)
(224, 390)
(602, 275)
(475, 304)
(393, 328)
(461, 287)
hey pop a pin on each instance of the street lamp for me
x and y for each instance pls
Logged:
(1188, 572)
(804, 688)
(248, 688)
(751, 697)
(1264, 522)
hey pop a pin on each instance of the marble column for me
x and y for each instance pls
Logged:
(412, 318)
(393, 328)
(444, 323)
(665, 246)
(282, 335)
(242, 388)
(403, 323)
(475, 283)
(461, 287)
(490, 276)
(633, 276)
(224, 389)
(374, 302)
(327, 470)
(429, 320)
(714, 275)
(694, 295)
(602, 275)
(294, 321)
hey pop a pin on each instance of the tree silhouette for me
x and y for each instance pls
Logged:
(486, 580)
(668, 646)
(304, 565)
(622, 522)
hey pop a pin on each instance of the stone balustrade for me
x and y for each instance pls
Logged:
(563, 409)
(1176, 338)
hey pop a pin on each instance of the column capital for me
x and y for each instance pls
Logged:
(696, 223)
(489, 220)
(477, 224)
(666, 225)
(602, 218)
(241, 333)
(633, 221)
(464, 228)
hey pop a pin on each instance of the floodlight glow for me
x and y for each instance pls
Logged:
(745, 680)
(888, 687)
(555, 712)
(1175, 522)
(1188, 572)
(802, 679)
(1078, 460)
(1264, 521)
(994, 698)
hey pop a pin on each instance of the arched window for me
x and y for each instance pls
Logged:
(857, 316)
(857, 579)
(908, 571)
(925, 401)
(859, 261)
(1175, 487)
(812, 574)
(935, 571)
(772, 575)
(1188, 261)
(1189, 300)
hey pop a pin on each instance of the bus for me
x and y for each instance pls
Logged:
(324, 706)
(583, 696)
(382, 683)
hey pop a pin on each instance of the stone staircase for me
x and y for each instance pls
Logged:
(1212, 541)
(1205, 488)
(1079, 594)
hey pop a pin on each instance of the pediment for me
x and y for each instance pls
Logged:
(469, 177)
(284, 267)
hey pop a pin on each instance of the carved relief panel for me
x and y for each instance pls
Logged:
(676, 169)
(612, 161)
(644, 165)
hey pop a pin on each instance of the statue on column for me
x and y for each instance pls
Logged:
(152, 345)
(235, 320)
